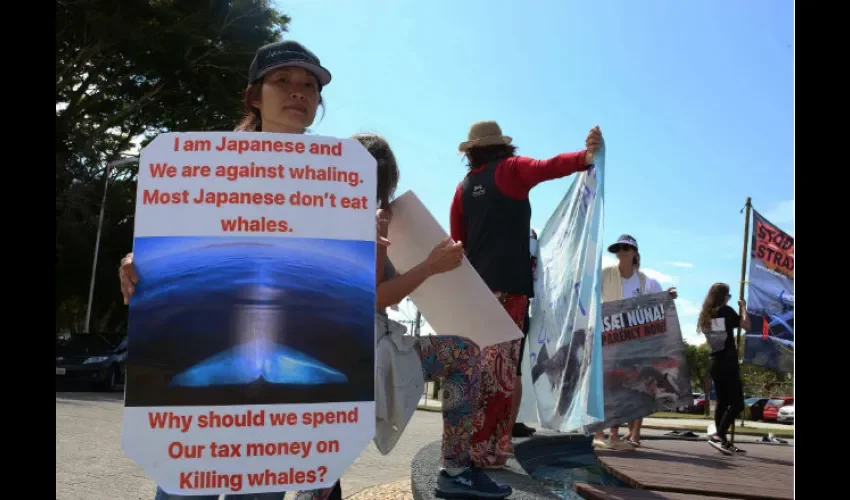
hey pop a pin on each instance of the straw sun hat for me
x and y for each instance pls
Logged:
(484, 133)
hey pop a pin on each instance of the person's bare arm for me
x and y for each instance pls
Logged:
(128, 277)
(393, 291)
(382, 223)
(745, 319)
(444, 257)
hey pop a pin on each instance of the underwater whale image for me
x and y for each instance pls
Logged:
(259, 359)
(251, 320)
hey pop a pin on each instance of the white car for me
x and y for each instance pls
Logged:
(786, 415)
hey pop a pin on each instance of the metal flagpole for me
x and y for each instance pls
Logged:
(748, 208)
(109, 167)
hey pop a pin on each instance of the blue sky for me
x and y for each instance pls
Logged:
(695, 100)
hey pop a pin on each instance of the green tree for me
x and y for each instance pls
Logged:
(124, 71)
(698, 358)
(763, 382)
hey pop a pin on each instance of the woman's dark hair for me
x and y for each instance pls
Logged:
(252, 120)
(637, 259)
(388, 174)
(717, 296)
(477, 157)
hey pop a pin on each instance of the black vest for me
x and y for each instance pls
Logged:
(497, 234)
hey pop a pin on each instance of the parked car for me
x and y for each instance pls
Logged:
(100, 360)
(785, 415)
(756, 406)
(771, 409)
(699, 405)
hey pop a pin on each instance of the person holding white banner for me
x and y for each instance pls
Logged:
(491, 214)
(404, 362)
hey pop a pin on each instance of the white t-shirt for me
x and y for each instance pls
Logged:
(631, 286)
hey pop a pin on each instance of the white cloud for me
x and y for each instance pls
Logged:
(687, 265)
(688, 312)
(688, 316)
(687, 307)
(690, 335)
(662, 278)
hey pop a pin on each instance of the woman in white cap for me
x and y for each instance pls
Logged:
(624, 281)
(491, 215)
(283, 95)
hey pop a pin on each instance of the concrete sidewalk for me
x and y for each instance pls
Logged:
(91, 464)
(705, 422)
(750, 428)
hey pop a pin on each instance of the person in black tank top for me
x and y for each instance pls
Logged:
(491, 215)
(717, 321)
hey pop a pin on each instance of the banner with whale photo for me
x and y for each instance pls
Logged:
(561, 368)
(255, 252)
(770, 301)
(643, 358)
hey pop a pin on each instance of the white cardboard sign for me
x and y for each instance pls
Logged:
(454, 303)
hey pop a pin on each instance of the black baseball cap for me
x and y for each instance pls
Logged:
(624, 239)
(286, 53)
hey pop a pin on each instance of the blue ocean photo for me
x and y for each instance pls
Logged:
(246, 320)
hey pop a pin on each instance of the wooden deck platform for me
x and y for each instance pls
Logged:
(595, 492)
(692, 467)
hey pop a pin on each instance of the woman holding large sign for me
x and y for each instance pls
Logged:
(402, 357)
(284, 92)
(620, 281)
(285, 82)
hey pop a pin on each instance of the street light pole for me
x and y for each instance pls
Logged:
(109, 167)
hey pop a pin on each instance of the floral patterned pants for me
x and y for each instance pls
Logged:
(492, 439)
(455, 360)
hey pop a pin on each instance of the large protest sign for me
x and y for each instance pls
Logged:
(643, 358)
(770, 304)
(454, 303)
(251, 331)
(562, 372)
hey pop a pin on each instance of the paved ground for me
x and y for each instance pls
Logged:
(91, 465)
(671, 422)
(705, 422)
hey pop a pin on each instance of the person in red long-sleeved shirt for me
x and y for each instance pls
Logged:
(491, 215)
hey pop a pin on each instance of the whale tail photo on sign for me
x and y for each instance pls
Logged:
(770, 304)
(562, 374)
(643, 355)
(254, 254)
